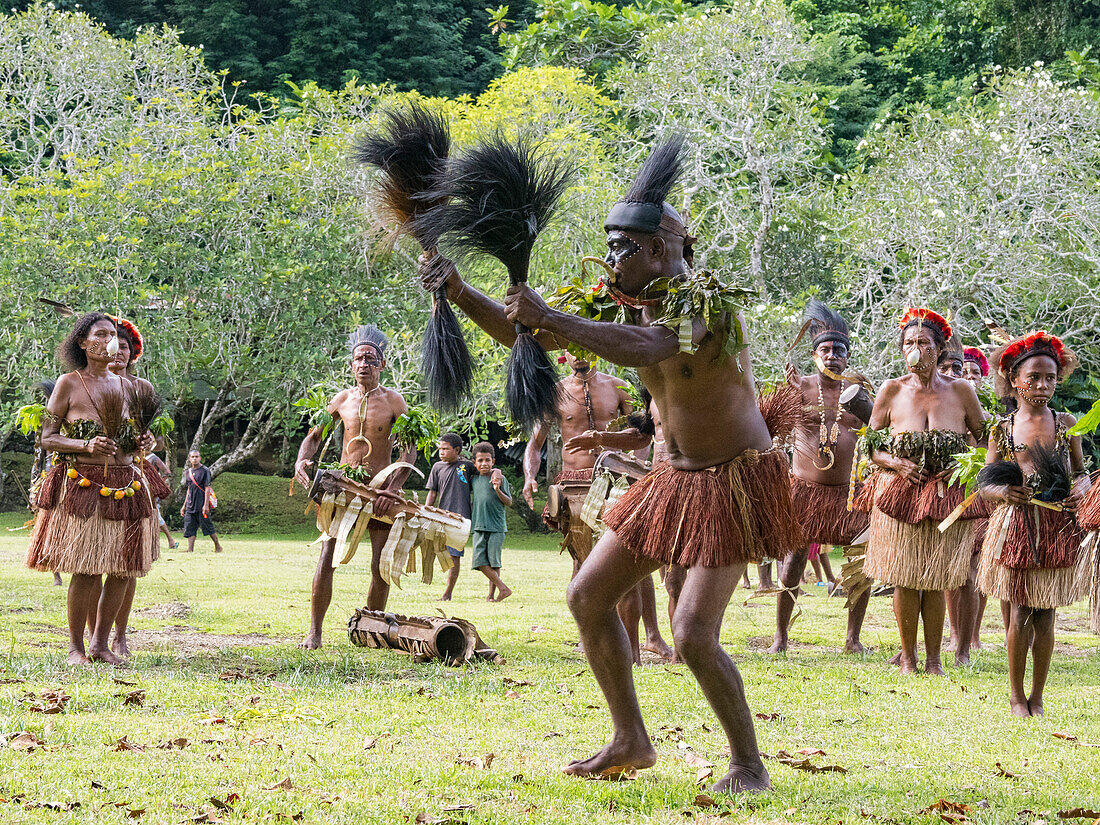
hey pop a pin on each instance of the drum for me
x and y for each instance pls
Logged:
(345, 509)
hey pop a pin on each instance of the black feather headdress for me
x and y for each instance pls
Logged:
(411, 150)
(497, 199)
(824, 324)
(645, 208)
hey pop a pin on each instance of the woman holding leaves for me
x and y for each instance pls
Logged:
(920, 422)
(1032, 556)
(96, 515)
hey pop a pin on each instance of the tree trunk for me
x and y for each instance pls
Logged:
(261, 424)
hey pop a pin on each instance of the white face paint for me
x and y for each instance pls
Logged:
(913, 358)
(112, 347)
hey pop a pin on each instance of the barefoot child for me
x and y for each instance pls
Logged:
(449, 487)
(490, 494)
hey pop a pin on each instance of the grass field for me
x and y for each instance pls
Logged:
(257, 730)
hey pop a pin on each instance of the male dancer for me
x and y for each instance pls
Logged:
(721, 501)
(824, 447)
(368, 411)
(590, 400)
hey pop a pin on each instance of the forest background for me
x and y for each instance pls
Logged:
(187, 164)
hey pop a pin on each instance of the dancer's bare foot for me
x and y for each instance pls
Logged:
(778, 646)
(659, 648)
(741, 779)
(908, 666)
(120, 646)
(932, 667)
(614, 760)
(503, 594)
(962, 659)
(1036, 708)
(76, 657)
(103, 655)
(444, 598)
(57, 580)
(1019, 708)
(854, 646)
(312, 641)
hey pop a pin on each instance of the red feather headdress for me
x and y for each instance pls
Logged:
(928, 318)
(1037, 343)
(978, 357)
(130, 328)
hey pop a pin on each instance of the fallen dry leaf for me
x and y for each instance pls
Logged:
(694, 760)
(510, 682)
(25, 742)
(1061, 734)
(482, 763)
(369, 742)
(51, 701)
(285, 785)
(620, 773)
(703, 774)
(511, 694)
(52, 806)
(705, 801)
(125, 682)
(769, 717)
(811, 752)
(1004, 772)
(124, 744)
(803, 764)
(135, 813)
(949, 811)
(135, 698)
(1079, 813)
(538, 628)
(179, 743)
(227, 803)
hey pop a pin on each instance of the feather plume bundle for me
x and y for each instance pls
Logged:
(1001, 474)
(659, 172)
(496, 200)
(411, 150)
(145, 404)
(1052, 472)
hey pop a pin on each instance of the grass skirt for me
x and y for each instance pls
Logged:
(1088, 513)
(912, 503)
(918, 556)
(823, 513)
(77, 530)
(1048, 571)
(578, 540)
(733, 513)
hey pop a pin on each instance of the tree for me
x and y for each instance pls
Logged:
(988, 211)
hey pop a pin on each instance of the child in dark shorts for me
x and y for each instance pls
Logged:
(490, 494)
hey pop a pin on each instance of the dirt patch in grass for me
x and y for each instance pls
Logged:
(186, 640)
(172, 610)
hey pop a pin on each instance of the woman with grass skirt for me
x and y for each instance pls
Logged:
(1032, 557)
(920, 421)
(96, 516)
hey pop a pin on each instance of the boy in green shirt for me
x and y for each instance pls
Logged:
(490, 494)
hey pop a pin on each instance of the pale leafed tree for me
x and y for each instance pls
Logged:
(991, 210)
(729, 80)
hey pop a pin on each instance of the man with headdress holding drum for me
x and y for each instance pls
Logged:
(368, 412)
(824, 448)
(721, 501)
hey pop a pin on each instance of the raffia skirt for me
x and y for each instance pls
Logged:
(823, 513)
(577, 535)
(734, 513)
(1034, 557)
(905, 547)
(77, 530)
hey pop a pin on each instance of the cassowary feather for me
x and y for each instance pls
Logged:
(1050, 466)
(1001, 474)
(145, 404)
(823, 319)
(496, 200)
(411, 150)
(659, 172)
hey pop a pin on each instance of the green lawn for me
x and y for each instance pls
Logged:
(367, 736)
